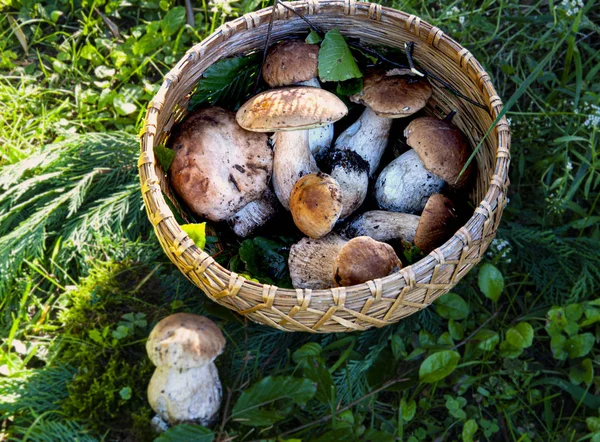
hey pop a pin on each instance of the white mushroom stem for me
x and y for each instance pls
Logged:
(368, 137)
(405, 185)
(292, 160)
(186, 395)
(384, 226)
(352, 174)
(311, 262)
(319, 138)
(254, 214)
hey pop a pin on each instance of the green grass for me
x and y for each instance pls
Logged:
(83, 279)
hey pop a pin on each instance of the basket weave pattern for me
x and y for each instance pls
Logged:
(379, 302)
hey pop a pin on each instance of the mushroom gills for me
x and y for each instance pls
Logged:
(319, 138)
(404, 185)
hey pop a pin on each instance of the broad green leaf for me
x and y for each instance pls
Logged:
(313, 38)
(469, 430)
(265, 260)
(336, 62)
(491, 282)
(349, 87)
(557, 345)
(593, 424)
(95, 336)
(456, 329)
(197, 232)
(583, 372)
(439, 365)
(227, 83)
(174, 19)
(307, 350)
(150, 42)
(271, 399)
(164, 155)
(445, 339)
(409, 409)
(520, 336)
(187, 433)
(574, 312)
(580, 345)
(592, 315)
(556, 320)
(123, 105)
(452, 306)
(315, 370)
(510, 351)
(486, 339)
(578, 393)
(372, 435)
(398, 347)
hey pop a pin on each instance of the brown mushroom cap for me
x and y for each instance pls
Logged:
(437, 223)
(184, 341)
(363, 259)
(391, 95)
(442, 147)
(316, 204)
(290, 62)
(291, 108)
(218, 166)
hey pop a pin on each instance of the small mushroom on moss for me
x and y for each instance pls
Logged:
(316, 204)
(386, 95)
(219, 167)
(428, 231)
(332, 261)
(185, 386)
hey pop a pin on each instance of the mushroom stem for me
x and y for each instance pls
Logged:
(319, 138)
(404, 185)
(351, 172)
(331, 261)
(254, 214)
(292, 160)
(384, 226)
(368, 137)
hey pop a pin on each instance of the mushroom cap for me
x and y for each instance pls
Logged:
(437, 223)
(442, 147)
(218, 166)
(290, 108)
(363, 259)
(311, 261)
(184, 341)
(290, 62)
(316, 204)
(390, 95)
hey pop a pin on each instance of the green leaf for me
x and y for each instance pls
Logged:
(125, 393)
(491, 282)
(313, 38)
(148, 43)
(266, 260)
(187, 433)
(574, 312)
(226, 83)
(174, 19)
(557, 345)
(95, 336)
(452, 306)
(578, 393)
(469, 430)
(583, 372)
(398, 347)
(372, 435)
(520, 336)
(349, 87)
(509, 351)
(307, 350)
(164, 155)
(409, 409)
(123, 105)
(456, 329)
(580, 345)
(486, 339)
(315, 370)
(271, 399)
(439, 365)
(336, 62)
(197, 232)
(593, 424)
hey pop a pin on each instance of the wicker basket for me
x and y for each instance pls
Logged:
(379, 302)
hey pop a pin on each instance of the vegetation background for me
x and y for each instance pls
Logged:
(512, 354)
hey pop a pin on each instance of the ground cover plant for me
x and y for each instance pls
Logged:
(512, 354)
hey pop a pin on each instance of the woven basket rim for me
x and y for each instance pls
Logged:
(488, 208)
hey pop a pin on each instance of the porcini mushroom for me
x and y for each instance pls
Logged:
(442, 147)
(254, 214)
(294, 62)
(218, 166)
(316, 204)
(386, 95)
(286, 112)
(185, 386)
(439, 153)
(352, 174)
(435, 225)
(332, 261)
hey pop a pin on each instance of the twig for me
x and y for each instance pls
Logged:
(468, 338)
(190, 13)
(303, 18)
(267, 43)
